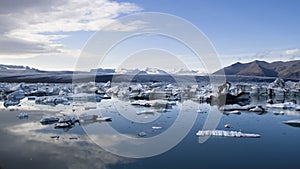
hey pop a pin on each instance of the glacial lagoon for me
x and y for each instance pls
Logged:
(27, 143)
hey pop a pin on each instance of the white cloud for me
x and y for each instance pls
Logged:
(36, 26)
(291, 51)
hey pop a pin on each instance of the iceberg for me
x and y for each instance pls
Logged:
(52, 100)
(49, 120)
(146, 112)
(286, 105)
(87, 119)
(156, 127)
(233, 107)
(142, 134)
(8, 103)
(23, 115)
(104, 119)
(257, 109)
(224, 133)
(294, 123)
(232, 112)
(63, 125)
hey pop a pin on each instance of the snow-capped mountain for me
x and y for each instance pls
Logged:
(147, 71)
(103, 71)
(16, 68)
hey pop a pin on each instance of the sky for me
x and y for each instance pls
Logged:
(50, 35)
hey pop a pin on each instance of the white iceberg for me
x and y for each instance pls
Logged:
(232, 107)
(232, 112)
(294, 123)
(224, 133)
(257, 109)
(156, 127)
(286, 105)
(23, 115)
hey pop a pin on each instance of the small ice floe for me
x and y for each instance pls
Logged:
(232, 112)
(156, 127)
(297, 108)
(153, 103)
(227, 126)
(270, 101)
(57, 137)
(68, 119)
(294, 123)
(257, 109)
(286, 105)
(49, 120)
(8, 103)
(52, 100)
(142, 134)
(232, 107)
(90, 107)
(151, 112)
(23, 115)
(63, 125)
(279, 113)
(104, 118)
(91, 118)
(224, 133)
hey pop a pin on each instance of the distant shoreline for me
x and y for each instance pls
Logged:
(68, 78)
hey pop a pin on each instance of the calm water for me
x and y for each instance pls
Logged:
(26, 143)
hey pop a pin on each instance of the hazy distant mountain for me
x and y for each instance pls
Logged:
(16, 68)
(103, 71)
(287, 70)
(147, 71)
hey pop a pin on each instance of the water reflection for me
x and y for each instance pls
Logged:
(33, 145)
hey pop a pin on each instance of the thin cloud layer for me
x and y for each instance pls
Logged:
(36, 26)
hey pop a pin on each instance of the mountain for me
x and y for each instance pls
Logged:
(103, 71)
(286, 70)
(147, 71)
(17, 68)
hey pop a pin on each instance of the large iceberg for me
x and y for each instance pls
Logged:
(224, 133)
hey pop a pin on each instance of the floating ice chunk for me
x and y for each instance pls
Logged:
(232, 107)
(146, 112)
(63, 125)
(52, 100)
(279, 113)
(294, 123)
(17, 95)
(227, 126)
(8, 103)
(278, 83)
(257, 109)
(104, 119)
(68, 119)
(23, 115)
(85, 119)
(90, 107)
(57, 137)
(73, 138)
(224, 133)
(156, 127)
(142, 134)
(232, 112)
(49, 120)
(286, 105)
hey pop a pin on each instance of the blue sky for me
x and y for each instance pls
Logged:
(240, 30)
